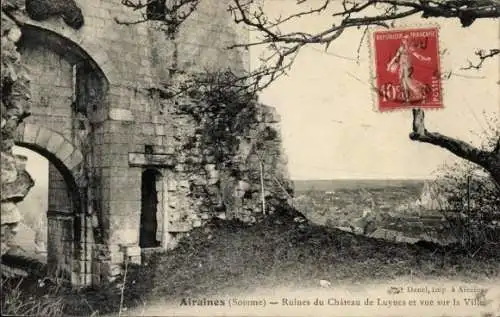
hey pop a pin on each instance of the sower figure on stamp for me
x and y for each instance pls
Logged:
(402, 60)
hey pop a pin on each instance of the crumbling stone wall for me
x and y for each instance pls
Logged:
(15, 181)
(229, 154)
(208, 148)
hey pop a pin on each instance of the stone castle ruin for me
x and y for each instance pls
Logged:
(132, 169)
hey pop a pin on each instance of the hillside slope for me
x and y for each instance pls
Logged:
(281, 252)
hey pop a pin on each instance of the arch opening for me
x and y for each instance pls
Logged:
(68, 91)
(32, 234)
(66, 48)
(67, 82)
(50, 229)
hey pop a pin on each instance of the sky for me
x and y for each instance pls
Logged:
(38, 167)
(329, 127)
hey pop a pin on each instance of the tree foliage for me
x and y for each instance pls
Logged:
(472, 210)
(472, 199)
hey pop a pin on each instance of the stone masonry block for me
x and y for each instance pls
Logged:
(65, 151)
(74, 159)
(135, 259)
(42, 139)
(171, 185)
(133, 251)
(130, 207)
(158, 119)
(115, 127)
(158, 141)
(183, 184)
(148, 129)
(30, 133)
(109, 160)
(123, 138)
(117, 148)
(55, 142)
(121, 101)
(115, 253)
(111, 171)
(160, 129)
(170, 148)
(118, 114)
(125, 236)
(118, 193)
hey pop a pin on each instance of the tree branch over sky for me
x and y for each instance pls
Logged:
(482, 55)
(283, 47)
(488, 159)
(282, 38)
(364, 14)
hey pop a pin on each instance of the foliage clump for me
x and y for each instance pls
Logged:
(228, 141)
(472, 199)
(472, 206)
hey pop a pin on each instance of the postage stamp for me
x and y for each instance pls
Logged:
(406, 66)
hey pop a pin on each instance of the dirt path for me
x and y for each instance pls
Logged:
(431, 298)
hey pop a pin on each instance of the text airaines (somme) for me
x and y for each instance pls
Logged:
(202, 302)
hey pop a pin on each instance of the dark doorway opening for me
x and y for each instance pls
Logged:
(149, 208)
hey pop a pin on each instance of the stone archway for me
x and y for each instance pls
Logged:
(66, 235)
(94, 51)
(69, 94)
(53, 145)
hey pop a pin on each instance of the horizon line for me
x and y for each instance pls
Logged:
(362, 178)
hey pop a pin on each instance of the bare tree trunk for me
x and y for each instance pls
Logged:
(490, 161)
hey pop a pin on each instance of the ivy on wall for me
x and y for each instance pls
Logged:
(229, 142)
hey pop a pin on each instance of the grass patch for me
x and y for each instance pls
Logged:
(278, 252)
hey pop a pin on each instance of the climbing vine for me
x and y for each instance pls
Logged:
(230, 138)
(222, 113)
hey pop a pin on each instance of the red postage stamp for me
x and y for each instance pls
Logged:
(407, 68)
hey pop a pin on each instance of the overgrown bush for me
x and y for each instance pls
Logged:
(472, 199)
(472, 206)
(16, 301)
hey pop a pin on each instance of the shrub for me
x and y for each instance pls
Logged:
(471, 198)
(17, 302)
(472, 206)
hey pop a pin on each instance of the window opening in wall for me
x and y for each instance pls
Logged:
(149, 207)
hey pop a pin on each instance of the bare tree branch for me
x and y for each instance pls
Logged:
(483, 56)
(283, 47)
(345, 14)
(489, 160)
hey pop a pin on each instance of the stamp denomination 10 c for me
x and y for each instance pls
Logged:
(407, 68)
